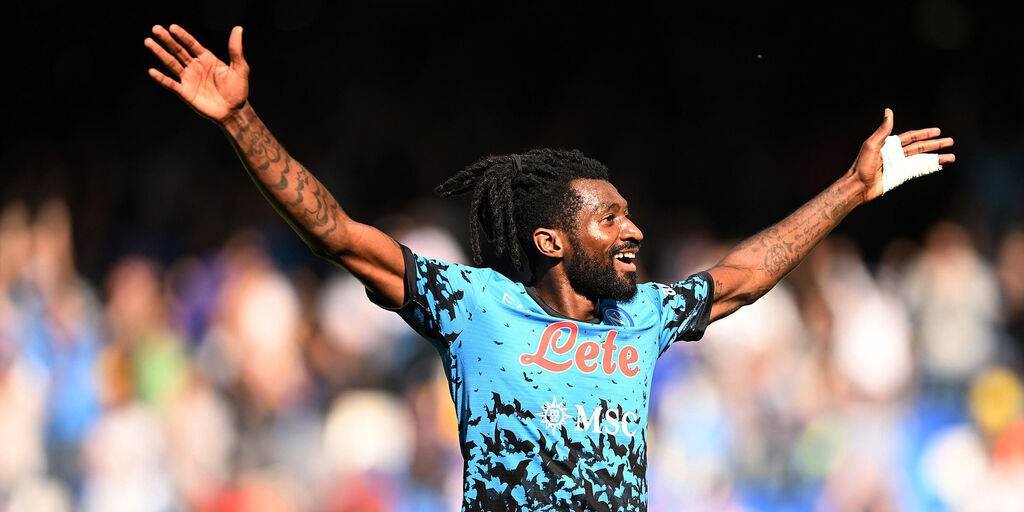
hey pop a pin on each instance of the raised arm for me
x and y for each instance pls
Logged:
(757, 264)
(219, 92)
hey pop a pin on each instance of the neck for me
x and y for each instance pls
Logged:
(554, 289)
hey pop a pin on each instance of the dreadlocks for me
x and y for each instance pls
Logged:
(512, 195)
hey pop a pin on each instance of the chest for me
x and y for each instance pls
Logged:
(558, 351)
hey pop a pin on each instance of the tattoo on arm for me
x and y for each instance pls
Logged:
(294, 192)
(718, 284)
(772, 253)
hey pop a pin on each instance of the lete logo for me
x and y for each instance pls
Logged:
(584, 355)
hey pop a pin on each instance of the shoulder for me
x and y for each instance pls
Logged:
(691, 289)
(658, 292)
(697, 285)
(457, 275)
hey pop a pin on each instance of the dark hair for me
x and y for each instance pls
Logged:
(512, 195)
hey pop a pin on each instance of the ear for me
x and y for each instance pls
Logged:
(549, 242)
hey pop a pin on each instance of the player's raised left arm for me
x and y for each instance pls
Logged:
(758, 263)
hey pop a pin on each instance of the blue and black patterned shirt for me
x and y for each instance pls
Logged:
(552, 412)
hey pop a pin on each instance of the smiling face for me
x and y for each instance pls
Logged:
(600, 259)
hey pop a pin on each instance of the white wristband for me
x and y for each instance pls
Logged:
(898, 168)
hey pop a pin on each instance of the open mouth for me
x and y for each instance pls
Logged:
(627, 258)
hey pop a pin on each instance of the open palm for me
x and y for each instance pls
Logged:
(204, 82)
(868, 165)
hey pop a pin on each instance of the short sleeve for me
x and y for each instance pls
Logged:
(438, 297)
(685, 309)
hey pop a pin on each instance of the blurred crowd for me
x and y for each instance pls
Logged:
(225, 381)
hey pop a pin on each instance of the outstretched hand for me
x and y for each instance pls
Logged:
(868, 165)
(208, 85)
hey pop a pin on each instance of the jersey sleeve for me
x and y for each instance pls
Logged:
(685, 309)
(439, 297)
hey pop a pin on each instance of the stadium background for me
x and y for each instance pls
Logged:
(167, 343)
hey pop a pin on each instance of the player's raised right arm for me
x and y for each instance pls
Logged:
(219, 92)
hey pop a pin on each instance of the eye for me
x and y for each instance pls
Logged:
(608, 218)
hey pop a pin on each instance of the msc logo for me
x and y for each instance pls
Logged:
(554, 415)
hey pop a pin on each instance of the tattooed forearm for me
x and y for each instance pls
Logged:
(765, 258)
(293, 191)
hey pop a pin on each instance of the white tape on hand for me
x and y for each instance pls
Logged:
(898, 168)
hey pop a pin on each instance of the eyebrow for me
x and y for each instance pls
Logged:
(608, 206)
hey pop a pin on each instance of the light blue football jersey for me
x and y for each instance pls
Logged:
(552, 412)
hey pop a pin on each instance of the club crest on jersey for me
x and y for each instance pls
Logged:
(555, 355)
(616, 316)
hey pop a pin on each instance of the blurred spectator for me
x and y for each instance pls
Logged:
(252, 352)
(136, 318)
(22, 392)
(60, 337)
(956, 466)
(201, 439)
(954, 301)
(125, 454)
(368, 443)
(871, 329)
(1010, 269)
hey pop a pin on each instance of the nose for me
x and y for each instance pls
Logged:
(631, 231)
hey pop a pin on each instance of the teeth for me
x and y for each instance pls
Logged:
(629, 255)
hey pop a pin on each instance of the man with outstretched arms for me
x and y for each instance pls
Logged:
(551, 377)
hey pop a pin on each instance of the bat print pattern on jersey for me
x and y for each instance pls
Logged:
(552, 411)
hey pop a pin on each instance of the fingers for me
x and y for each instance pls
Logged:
(172, 46)
(927, 146)
(165, 81)
(235, 50)
(914, 142)
(883, 130)
(916, 135)
(164, 57)
(189, 42)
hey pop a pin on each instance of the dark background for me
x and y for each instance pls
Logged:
(722, 119)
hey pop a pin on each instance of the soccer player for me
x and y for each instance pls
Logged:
(551, 377)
